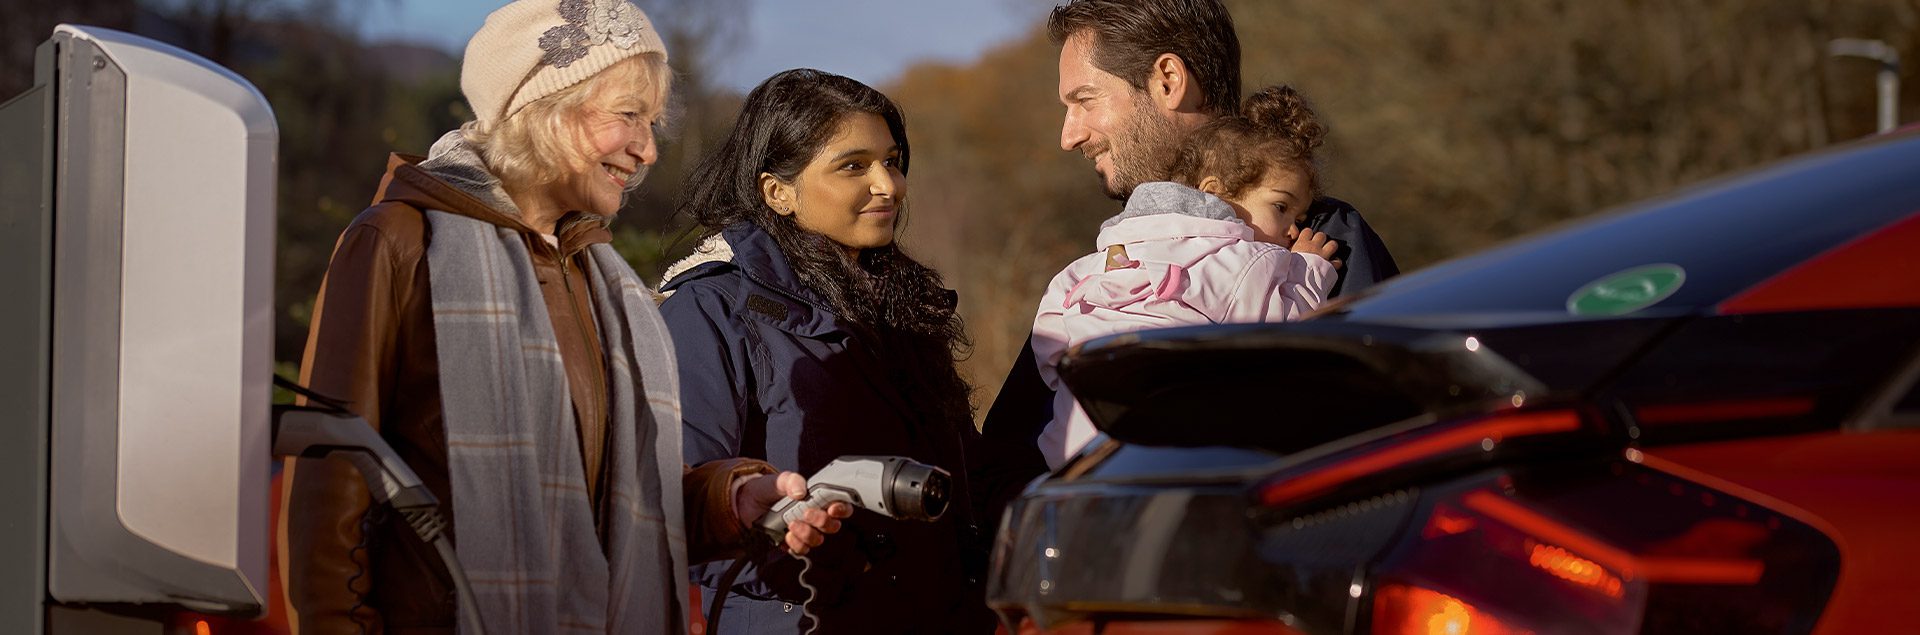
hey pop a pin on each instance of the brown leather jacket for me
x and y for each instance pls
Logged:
(372, 345)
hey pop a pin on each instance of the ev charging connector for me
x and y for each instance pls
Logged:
(891, 486)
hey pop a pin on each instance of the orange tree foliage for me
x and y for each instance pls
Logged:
(1455, 124)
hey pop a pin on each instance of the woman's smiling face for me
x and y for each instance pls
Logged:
(617, 139)
(617, 144)
(852, 189)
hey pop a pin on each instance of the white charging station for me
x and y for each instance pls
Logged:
(136, 320)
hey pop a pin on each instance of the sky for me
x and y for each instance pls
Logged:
(868, 40)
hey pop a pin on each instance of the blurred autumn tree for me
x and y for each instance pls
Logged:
(699, 35)
(27, 24)
(1456, 124)
(343, 103)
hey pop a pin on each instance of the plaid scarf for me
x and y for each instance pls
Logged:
(524, 525)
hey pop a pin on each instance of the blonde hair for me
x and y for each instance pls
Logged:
(547, 139)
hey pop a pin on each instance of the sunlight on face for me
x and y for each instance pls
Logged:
(1275, 206)
(617, 140)
(1110, 123)
(852, 190)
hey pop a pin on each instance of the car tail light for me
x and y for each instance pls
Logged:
(1417, 449)
(1565, 565)
(1159, 627)
(1482, 564)
(1597, 546)
(1498, 524)
(1412, 610)
(191, 623)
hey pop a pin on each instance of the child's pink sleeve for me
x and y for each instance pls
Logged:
(1281, 286)
(1050, 340)
(1050, 343)
(1069, 430)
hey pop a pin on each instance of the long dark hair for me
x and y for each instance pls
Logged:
(785, 121)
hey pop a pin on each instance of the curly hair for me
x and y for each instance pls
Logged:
(1275, 127)
(785, 122)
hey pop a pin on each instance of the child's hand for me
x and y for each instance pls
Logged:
(1313, 241)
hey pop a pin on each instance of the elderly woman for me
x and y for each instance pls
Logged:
(478, 318)
(805, 333)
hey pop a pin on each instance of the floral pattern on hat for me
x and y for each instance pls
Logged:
(616, 21)
(590, 23)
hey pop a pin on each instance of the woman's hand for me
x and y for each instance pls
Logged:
(758, 495)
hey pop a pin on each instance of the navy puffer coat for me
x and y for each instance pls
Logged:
(769, 371)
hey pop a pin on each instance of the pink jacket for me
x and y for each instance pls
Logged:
(1175, 257)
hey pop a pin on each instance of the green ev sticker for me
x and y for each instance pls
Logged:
(1627, 291)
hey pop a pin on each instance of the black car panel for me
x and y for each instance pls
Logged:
(1282, 387)
(1119, 463)
(1726, 236)
(1764, 374)
(1073, 553)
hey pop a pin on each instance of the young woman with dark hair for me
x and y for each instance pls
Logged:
(804, 334)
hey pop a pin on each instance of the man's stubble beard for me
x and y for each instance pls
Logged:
(1143, 150)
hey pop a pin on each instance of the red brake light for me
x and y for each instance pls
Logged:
(1419, 445)
(1566, 566)
(1548, 530)
(1480, 551)
(1400, 609)
(1655, 568)
(1161, 627)
(1703, 570)
(1620, 551)
(1446, 521)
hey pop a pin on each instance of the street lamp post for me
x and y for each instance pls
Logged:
(1889, 79)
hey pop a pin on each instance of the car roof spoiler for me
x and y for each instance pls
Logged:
(1283, 387)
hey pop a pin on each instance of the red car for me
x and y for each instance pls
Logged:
(1693, 415)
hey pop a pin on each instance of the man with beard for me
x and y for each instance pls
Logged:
(1136, 77)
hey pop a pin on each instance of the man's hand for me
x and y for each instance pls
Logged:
(758, 495)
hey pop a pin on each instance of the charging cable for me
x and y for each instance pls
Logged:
(329, 429)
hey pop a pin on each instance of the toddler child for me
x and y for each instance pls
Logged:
(1221, 243)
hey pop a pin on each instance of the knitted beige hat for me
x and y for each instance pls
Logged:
(533, 48)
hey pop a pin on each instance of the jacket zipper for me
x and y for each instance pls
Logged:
(600, 391)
